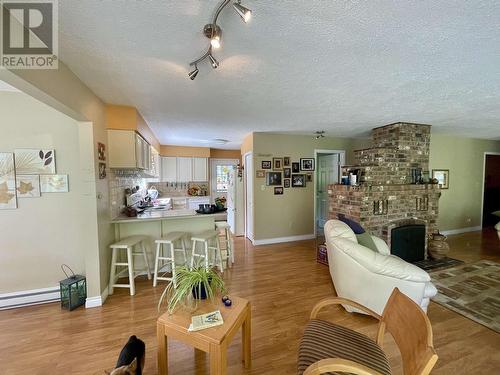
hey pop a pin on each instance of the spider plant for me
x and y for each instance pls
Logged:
(190, 283)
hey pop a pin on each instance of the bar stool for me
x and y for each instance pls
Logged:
(227, 240)
(128, 244)
(204, 238)
(161, 259)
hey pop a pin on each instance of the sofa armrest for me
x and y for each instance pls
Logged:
(381, 245)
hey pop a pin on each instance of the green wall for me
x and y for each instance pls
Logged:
(460, 205)
(290, 214)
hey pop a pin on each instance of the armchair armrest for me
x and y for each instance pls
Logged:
(338, 364)
(341, 301)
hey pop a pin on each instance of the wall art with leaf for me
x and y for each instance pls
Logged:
(35, 161)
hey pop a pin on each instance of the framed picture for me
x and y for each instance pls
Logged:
(309, 177)
(278, 190)
(298, 180)
(295, 167)
(286, 182)
(273, 178)
(307, 164)
(8, 197)
(57, 183)
(102, 171)
(266, 164)
(259, 173)
(101, 151)
(443, 177)
(286, 161)
(35, 161)
(287, 172)
(277, 164)
(28, 186)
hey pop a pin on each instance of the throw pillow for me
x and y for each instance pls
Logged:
(356, 228)
(367, 241)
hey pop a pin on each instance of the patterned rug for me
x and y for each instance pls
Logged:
(472, 290)
(435, 264)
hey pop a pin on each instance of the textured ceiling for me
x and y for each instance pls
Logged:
(298, 66)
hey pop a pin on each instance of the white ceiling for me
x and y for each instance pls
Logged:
(299, 66)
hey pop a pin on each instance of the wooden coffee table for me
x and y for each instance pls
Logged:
(213, 340)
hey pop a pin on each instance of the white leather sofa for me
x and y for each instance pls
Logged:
(368, 277)
(497, 227)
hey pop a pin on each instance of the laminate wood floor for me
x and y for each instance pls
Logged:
(282, 281)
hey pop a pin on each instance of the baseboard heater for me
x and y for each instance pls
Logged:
(29, 297)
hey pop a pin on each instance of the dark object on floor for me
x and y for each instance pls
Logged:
(131, 359)
(322, 254)
(435, 264)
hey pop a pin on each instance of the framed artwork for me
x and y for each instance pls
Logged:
(286, 161)
(8, 196)
(307, 164)
(443, 177)
(295, 167)
(287, 172)
(102, 171)
(309, 177)
(57, 183)
(28, 186)
(101, 151)
(35, 161)
(273, 178)
(286, 182)
(266, 164)
(278, 190)
(298, 180)
(277, 164)
(259, 173)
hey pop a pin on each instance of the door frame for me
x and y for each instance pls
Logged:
(212, 177)
(341, 162)
(482, 183)
(247, 180)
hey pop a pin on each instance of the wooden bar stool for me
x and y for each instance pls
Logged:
(128, 244)
(227, 240)
(204, 238)
(161, 260)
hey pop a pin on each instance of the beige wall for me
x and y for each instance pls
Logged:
(225, 154)
(247, 144)
(185, 151)
(460, 205)
(47, 231)
(290, 214)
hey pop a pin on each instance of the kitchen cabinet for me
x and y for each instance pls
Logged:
(168, 169)
(154, 169)
(200, 169)
(184, 169)
(128, 150)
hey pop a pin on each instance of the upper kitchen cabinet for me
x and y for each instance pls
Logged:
(128, 150)
(168, 169)
(200, 170)
(184, 169)
(154, 169)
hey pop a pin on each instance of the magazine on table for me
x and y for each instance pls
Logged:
(211, 319)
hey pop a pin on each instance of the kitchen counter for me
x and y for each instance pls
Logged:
(155, 215)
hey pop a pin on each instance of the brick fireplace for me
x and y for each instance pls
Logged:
(387, 196)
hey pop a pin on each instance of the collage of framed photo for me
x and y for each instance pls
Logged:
(283, 173)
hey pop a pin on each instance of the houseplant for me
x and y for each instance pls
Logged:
(192, 285)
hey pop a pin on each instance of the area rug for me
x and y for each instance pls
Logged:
(437, 264)
(472, 290)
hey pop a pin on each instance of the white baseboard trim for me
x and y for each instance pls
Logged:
(96, 301)
(461, 230)
(268, 241)
(29, 297)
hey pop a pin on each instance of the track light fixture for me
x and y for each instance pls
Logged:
(213, 32)
(320, 134)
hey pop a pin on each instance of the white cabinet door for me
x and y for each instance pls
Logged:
(121, 149)
(168, 169)
(139, 152)
(146, 152)
(200, 169)
(184, 169)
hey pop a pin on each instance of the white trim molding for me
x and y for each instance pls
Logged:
(461, 230)
(97, 301)
(268, 241)
(29, 297)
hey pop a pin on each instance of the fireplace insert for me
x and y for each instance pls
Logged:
(408, 242)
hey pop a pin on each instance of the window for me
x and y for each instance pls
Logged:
(222, 175)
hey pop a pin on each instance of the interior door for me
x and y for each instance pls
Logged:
(249, 196)
(491, 198)
(327, 173)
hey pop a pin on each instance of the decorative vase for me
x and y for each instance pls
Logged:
(437, 246)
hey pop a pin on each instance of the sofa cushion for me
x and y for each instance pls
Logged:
(366, 240)
(323, 340)
(354, 225)
(337, 229)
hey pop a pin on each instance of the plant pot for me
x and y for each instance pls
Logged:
(438, 248)
(201, 290)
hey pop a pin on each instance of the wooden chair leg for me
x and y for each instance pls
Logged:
(155, 281)
(206, 255)
(218, 254)
(131, 273)
(143, 249)
(193, 253)
(172, 256)
(112, 272)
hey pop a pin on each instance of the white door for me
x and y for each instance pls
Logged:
(249, 196)
(184, 169)
(219, 176)
(327, 173)
(168, 169)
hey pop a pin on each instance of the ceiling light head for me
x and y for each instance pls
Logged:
(214, 33)
(245, 13)
(320, 134)
(213, 61)
(192, 75)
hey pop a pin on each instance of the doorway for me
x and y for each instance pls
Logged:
(248, 157)
(219, 176)
(328, 164)
(491, 189)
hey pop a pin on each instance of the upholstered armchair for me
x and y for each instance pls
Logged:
(368, 277)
